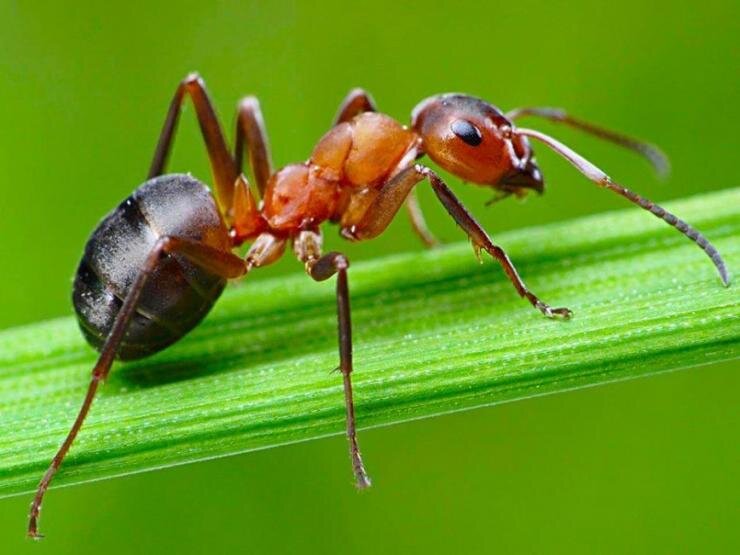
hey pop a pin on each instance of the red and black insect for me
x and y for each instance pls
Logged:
(156, 264)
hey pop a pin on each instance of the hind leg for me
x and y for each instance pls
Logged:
(222, 165)
(219, 262)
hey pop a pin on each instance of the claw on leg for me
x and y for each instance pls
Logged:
(554, 313)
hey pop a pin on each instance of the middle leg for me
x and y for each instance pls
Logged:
(418, 223)
(250, 127)
(307, 247)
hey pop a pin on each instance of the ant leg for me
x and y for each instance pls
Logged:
(651, 152)
(246, 214)
(250, 126)
(265, 250)
(308, 249)
(380, 213)
(222, 165)
(356, 102)
(481, 240)
(418, 223)
(222, 263)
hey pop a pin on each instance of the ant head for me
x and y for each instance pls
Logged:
(475, 141)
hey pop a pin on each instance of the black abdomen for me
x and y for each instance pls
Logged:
(178, 294)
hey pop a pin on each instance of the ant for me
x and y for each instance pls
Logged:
(156, 264)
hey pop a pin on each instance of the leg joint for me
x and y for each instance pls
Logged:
(250, 103)
(327, 266)
(193, 78)
(341, 262)
(164, 245)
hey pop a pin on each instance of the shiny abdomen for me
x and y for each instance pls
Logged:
(178, 294)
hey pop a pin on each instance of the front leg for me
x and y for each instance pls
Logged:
(393, 193)
(481, 240)
(356, 102)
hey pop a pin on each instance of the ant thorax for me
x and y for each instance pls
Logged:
(350, 161)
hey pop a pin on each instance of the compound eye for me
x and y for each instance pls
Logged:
(467, 132)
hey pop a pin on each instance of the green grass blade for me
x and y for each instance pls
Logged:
(434, 333)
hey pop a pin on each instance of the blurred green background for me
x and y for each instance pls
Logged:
(639, 467)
